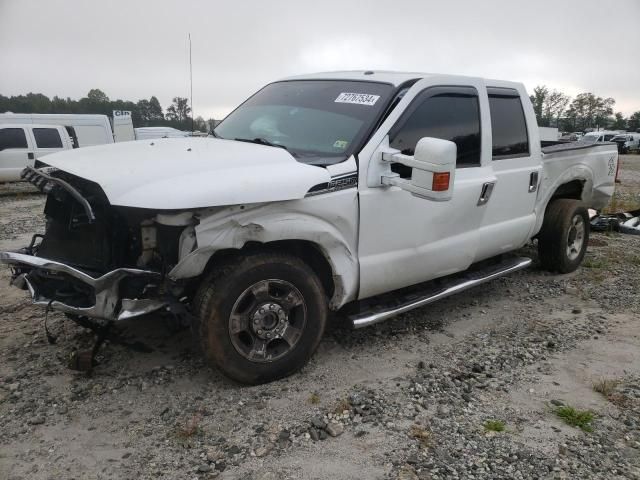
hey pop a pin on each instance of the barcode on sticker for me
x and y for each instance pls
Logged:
(357, 98)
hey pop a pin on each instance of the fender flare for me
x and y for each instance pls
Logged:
(580, 173)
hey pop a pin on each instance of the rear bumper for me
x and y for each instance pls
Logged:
(103, 300)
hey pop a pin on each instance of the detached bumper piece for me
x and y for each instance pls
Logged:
(61, 287)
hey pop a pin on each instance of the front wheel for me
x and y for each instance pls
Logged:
(563, 238)
(261, 316)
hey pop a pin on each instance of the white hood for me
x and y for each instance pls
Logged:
(184, 173)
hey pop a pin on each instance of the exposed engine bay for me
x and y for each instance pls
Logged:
(97, 260)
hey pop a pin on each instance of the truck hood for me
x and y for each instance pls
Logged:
(185, 173)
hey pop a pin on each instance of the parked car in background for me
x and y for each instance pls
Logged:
(568, 137)
(598, 137)
(22, 145)
(627, 142)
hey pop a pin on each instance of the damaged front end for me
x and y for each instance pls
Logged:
(99, 262)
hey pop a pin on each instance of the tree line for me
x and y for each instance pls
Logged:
(144, 112)
(586, 111)
(552, 107)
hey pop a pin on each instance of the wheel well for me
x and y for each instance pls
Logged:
(572, 189)
(307, 251)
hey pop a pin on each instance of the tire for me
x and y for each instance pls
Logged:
(564, 236)
(279, 310)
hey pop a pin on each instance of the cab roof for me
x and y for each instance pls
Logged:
(388, 76)
(384, 76)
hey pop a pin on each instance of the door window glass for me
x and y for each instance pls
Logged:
(448, 114)
(508, 125)
(12, 138)
(47, 138)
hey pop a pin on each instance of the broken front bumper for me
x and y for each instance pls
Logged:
(103, 300)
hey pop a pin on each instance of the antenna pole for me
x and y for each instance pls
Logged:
(191, 82)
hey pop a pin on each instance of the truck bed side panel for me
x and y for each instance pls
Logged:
(594, 166)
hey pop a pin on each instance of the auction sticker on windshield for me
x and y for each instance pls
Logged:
(357, 98)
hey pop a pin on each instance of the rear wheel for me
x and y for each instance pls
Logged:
(261, 316)
(563, 238)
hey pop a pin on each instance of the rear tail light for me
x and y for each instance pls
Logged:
(617, 180)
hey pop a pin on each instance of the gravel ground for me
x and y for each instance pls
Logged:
(419, 397)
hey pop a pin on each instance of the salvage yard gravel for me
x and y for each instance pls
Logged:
(531, 376)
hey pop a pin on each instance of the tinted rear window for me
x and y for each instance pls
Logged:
(508, 125)
(12, 138)
(47, 138)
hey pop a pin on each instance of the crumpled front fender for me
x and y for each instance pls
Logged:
(233, 229)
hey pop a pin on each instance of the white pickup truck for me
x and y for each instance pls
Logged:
(368, 193)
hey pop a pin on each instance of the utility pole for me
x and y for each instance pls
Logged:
(191, 83)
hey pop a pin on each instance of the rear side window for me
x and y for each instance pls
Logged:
(508, 125)
(12, 138)
(448, 113)
(47, 138)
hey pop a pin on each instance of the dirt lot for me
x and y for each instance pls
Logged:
(471, 387)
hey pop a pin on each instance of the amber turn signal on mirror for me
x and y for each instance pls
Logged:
(440, 182)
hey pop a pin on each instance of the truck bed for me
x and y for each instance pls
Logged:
(593, 165)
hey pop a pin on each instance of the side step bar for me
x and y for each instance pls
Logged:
(455, 285)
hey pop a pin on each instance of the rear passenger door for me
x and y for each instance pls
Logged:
(516, 162)
(47, 140)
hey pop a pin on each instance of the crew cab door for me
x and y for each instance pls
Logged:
(15, 152)
(404, 239)
(516, 161)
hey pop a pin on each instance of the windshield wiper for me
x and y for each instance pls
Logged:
(261, 141)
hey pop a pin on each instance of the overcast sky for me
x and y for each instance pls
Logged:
(134, 49)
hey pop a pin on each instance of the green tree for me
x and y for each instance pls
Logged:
(155, 110)
(540, 93)
(178, 113)
(634, 122)
(619, 122)
(200, 125)
(98, 96)
(548, 105)
(590, 111)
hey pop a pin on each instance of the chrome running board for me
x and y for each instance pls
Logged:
(455, 285)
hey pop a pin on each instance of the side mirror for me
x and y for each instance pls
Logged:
(433, 168)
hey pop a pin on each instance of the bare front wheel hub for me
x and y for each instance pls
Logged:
(269, 321)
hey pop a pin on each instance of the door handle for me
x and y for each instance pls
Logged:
(533, 182)
(485, 193)
(30, 155)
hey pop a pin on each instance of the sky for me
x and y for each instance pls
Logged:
(137, 48)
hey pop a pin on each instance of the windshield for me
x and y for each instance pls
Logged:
(319, 122)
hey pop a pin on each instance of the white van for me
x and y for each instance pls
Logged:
(84, 130)
(21, 145)
(147, 133)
